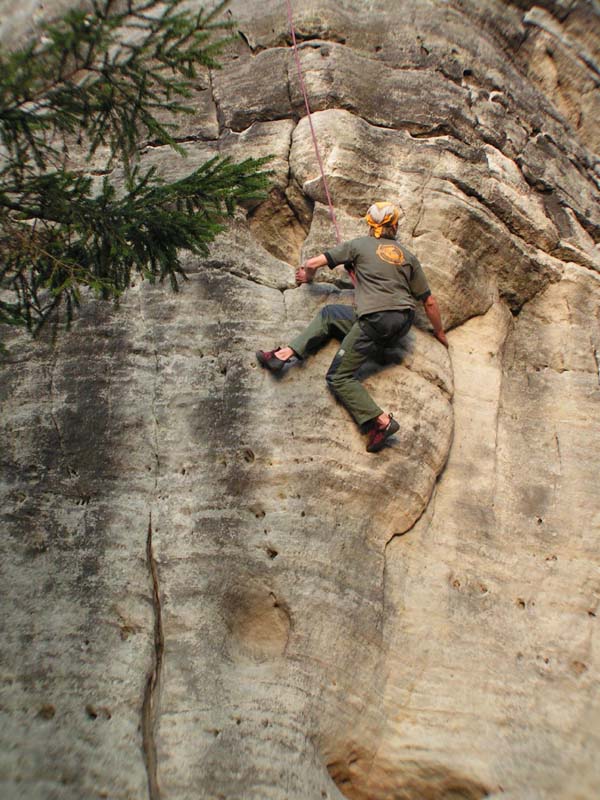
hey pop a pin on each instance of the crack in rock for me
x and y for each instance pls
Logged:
(398, 534)
(220, 266)
(150, 703)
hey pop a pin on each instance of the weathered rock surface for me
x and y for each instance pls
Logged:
(209, 588)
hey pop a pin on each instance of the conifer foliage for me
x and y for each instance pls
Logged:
(103, 78)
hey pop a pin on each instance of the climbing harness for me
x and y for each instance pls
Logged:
(309, 116)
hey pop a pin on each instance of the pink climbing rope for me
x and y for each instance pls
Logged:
(312, 130)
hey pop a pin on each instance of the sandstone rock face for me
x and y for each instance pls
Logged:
(210, 590)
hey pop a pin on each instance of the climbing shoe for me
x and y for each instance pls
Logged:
(378, 435)
(269, 360)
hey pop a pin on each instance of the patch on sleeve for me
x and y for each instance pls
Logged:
(391, 254)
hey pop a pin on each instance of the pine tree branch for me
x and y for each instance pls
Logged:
(79, 81)
(102, 77)
(100, 241)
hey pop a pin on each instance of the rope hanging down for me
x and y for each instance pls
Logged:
(312, 130)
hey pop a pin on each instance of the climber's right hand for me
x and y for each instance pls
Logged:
(302, 276)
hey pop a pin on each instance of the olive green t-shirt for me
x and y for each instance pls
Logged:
(388, 276)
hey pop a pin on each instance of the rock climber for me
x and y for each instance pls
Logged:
(388, 281)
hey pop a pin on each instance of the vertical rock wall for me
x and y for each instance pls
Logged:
(209, 588)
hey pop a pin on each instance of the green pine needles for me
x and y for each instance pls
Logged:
(104, 78)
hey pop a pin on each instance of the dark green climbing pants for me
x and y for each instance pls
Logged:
(361, 339)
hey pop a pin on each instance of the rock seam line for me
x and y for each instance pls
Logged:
(153, 681)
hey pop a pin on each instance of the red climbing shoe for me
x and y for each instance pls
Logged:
(269, 360)
(378, 435)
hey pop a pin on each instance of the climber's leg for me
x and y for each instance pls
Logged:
(332, 321)
(354, 351)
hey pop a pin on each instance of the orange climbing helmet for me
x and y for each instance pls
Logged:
(381, 214)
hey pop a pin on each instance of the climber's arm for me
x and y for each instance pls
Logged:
(306, 272)
(433, 312)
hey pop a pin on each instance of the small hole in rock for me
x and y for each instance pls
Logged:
(521, 603)
(47, 711)
(94, 712)
(467, 72)
(539, 520)
(272, 553)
